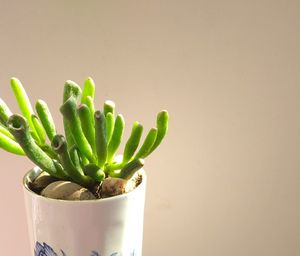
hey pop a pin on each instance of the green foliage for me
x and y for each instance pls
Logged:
(86, 154)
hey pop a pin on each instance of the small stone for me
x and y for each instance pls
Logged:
(42, 181)
(116, 186)
(113, 187)
(67, 190)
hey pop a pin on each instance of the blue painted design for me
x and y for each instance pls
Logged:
(45, 250)
(94, 253)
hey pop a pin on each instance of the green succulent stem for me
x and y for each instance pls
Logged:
(75, 157)
(131, 168)
(69, 111)
(113, 167)
(116, 138)
(88, 90)
(162, 128)
(70, 89)
(45, 116)
(5, 112)
(59, 145)
(94, 172)
(39, 129)
(101, 142)
(84, 160)
(6, 132)
(24, 104)
(10, 145)
(110, 122)
(49, 151)
(90, 105)
(87, 125)
(109, 107)
(133, 142)
(148, 144)
(19, 127)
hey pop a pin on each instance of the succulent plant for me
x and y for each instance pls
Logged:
(86, 154)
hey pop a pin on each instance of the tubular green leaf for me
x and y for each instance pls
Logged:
(46, 118)
(87, 125)
(19, 127)
(84, 160)
(148, 144)
(90, 104)
(116, 138)
(6, 132)
(94, 172)
(39, 129)
(109, 168)
(133, 142)
(49, 151)
(75, 157)
(110, 122)
(88, 90)
(101, 143)
(131, 168)
(162, 128)
(109, 107)
(24, 103)
(59, 145)
(70, 89)
(69, 111)
(10, 145)
(5, 112)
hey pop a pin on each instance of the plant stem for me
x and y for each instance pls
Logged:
(75, 157)
(88, 90)
(131, 168)
(70, 89)
(162, 128)
(59, 145)
(10, 145)
(6, 132)
(148, 144)
(109, 107)
(116, 138)
(90, 105)
(5, 112)
(94, 172)
(24, 103)
(87, 125)
(49, 151)
(101, 143)
(110, 122)
(69, 111)
(46, 118)
(113, 167)
(133, 141)
(19, 127)
(39, 129)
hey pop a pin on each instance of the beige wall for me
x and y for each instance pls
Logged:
(226, 182)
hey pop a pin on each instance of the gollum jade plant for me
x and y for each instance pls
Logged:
(86, 156)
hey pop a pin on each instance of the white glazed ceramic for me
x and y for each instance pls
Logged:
(105, 227)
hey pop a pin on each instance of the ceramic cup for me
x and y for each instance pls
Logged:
(105, 227)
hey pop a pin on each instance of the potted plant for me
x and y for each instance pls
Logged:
(81, 198)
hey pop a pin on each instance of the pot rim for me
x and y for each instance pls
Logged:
(27, 177)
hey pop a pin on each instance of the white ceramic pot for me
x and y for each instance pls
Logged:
(105, 227)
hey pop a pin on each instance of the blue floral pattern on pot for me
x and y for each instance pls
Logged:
(45, 250)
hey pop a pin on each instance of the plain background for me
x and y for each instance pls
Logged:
(226, 180)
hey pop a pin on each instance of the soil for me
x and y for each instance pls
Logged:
(46, 185)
